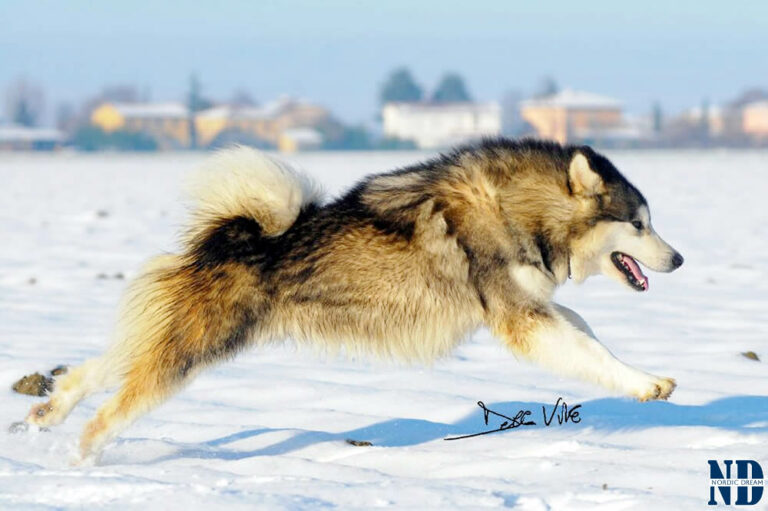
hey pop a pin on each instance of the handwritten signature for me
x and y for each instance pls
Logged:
(560, 412)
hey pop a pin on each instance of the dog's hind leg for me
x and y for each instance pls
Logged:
(78, 383)
(105, 371)
(147, 385)
(558, 339)
(188, 316)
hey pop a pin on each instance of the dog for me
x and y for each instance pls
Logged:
(405, 265)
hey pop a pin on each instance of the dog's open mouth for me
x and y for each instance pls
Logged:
(631, 270)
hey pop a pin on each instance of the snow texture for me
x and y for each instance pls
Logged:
(269, 430)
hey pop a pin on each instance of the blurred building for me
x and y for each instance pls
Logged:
(257, 126)
(711, 118)
(300, 139)
(22, 138)
(226, 124)
(512, 123)
(571, 115)
(738, 124)
(167, 123)
(433, 125)
(754, 120)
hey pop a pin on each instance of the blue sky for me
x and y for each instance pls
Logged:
(338, 52)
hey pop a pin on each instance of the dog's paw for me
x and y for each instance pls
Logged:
(657, 388)
(41, 414)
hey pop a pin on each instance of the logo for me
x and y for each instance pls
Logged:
(747, 480)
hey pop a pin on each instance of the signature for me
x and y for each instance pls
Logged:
(559, 414)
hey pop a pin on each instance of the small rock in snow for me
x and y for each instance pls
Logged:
(34, 385)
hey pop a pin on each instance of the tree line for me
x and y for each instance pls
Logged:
(400, 86)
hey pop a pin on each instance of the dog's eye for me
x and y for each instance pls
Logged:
(637, 224)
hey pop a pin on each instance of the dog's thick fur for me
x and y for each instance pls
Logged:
(406, 264)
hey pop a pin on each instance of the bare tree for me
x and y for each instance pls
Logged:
(120, 93)
(547, 86)
(66, 117)
(24, 102)
(241, 98)
(195, 103)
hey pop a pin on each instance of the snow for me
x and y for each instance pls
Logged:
(268, 430)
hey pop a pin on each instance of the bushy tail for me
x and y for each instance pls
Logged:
(188, 308)
(193, 296)
(244, 182)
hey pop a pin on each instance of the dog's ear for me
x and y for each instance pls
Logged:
(584, 180)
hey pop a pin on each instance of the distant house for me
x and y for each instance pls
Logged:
(22, 138)
(571, 115)
(226, 124)
(299, 139)
(712, 117)
(262, 125)
(167, 123)
(438, 125)
(754, 120)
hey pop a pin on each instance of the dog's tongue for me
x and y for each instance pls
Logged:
(635, 269)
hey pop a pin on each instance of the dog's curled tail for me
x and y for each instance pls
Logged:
(242, 182)
(184, 311)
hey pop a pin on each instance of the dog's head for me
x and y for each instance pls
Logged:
(617, 231)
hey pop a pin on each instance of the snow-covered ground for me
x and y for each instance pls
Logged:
(269, 430)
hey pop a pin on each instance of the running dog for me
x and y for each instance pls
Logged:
(405, 265)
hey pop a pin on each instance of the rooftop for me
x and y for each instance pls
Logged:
(174, 110)
(444, 107)
(16, 133)
(569, 98)
(267, 111)
(756, 104)
(303, 135)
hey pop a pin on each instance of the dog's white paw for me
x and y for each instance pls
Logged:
(655, 388)
(42, 414)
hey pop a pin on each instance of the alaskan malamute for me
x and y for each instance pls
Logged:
(406, 264)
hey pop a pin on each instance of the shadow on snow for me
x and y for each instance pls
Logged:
(745, 413)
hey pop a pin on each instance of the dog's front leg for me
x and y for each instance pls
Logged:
(558, 339)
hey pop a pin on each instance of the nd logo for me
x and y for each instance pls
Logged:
(748, 482)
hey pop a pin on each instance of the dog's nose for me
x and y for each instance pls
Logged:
(677, 260)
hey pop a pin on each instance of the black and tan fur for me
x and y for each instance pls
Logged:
(404, 265)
